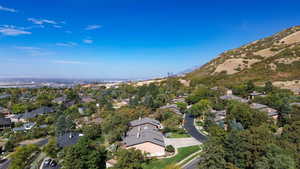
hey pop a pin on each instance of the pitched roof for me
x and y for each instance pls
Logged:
(26, 126)
(143, 134)
(142, 121)
(233, 97)
(4, 96)
(258, 106)
(295, 104)
(68, 139)
(34, 113)
(270, 111)
(219, 115)
(5, 121)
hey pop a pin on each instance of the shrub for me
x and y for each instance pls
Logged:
(170, 149)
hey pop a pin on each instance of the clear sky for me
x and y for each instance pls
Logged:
(129, 38)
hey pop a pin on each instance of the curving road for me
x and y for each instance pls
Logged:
(191, 129)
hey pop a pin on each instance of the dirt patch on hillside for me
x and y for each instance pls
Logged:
(232, 66)
(287, 60)
(265, 53)
(294, 85)
(293, 38)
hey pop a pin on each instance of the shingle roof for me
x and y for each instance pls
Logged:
(68, 139)
(270, 111)
(219, 115)
(26, 126)
(295, 104)
(258, 106)
(34, 113)
(4, 96)
(143, 134)
(5, 121)
(144, 121)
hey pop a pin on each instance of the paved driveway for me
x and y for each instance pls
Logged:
(190, 128)
(5, 164)
(182, 142)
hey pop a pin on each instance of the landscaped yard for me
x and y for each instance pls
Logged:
(178, 135)
(182, 153)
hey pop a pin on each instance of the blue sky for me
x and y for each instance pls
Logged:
(129, 38)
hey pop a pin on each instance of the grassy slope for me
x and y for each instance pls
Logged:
(182, 153)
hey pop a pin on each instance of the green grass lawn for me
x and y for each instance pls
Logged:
(182, 153)
(179, 135)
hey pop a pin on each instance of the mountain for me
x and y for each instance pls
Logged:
(274, 58)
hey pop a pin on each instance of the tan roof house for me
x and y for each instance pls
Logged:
(145, 136)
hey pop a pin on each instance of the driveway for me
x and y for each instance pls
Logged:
(192, 164)
(5, 164)
(191, 129)
(182, 142)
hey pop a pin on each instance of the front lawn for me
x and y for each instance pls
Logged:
(178, 135)
(182, 154)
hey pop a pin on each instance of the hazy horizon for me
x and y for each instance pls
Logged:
(129, 39)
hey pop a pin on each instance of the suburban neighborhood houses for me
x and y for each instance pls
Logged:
(156, 129)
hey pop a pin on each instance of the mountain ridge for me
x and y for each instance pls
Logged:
(273, 58)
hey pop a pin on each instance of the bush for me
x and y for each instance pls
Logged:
(170, 149)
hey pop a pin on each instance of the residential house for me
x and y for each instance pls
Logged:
(5, 123)
(258, 106)
(60, 100)
(4, 111)
(295, 104)
(271, 112)
(119, 104)
(28, 115)
(179, 99)
(173, 107)
(255, 94)
(219, 115)
(4, 96)
(87, 99)
(233, 97)
(25, 127)
(68, 139)
(145, 136)
(143, 121)
(264, 108)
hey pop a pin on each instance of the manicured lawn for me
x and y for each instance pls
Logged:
(179, 135)
(182, 153)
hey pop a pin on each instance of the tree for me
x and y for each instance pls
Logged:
(182, 106)
(130, 159)
(268, 87)
(275, 158)
(22, 156)
(92, 131)
(64, 124)
(214, 155)
(250, 87)
(84, 155)
(201, 108)
(51, 149)
(9, 146)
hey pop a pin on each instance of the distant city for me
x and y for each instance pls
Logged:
(51, 82)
